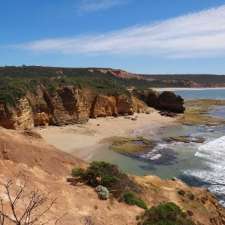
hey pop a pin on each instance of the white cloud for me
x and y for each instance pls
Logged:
(98, 5)
(199, 34)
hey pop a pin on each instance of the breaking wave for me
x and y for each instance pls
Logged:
(213, 156)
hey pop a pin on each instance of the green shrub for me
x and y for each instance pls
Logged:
(131, 199)
(107, 175)
(165, 214)
(78, 172)
(102, 173)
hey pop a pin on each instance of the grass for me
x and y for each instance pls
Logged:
(131, 199)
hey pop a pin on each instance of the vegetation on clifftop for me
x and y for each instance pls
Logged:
(120, 185)
(125, 189)
(15, 82)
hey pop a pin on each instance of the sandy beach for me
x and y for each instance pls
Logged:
(83, 139)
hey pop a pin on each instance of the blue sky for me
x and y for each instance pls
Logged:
(145, 36)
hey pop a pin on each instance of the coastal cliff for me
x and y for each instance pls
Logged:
(69, 105)
(26, 155)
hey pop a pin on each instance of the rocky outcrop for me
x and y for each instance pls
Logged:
(150, 97)
(117, 105)
(169, 101)
(104, 106)
(139, 106)
(165, 101)
(125, 105)
(69, 105)
(20, 116)
(41, 119)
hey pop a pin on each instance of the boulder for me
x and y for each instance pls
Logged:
(165, 101)
(169, 101)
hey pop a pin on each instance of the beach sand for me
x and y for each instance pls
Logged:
(83, 139)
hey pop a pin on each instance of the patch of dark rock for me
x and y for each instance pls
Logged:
(186, 139)
(167, 157)
(194, 181)
(32, 134)
(168, 114)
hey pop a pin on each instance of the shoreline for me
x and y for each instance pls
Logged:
(188, 89)
(83, 140)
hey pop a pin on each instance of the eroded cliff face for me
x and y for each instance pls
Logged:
(20, 116)
(117, 105)
(70, 105)
(67, 105)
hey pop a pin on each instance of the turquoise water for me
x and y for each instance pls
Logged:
(195, 163)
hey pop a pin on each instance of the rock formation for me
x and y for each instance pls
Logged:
(165, 101)
(169, 101)
(69, 105)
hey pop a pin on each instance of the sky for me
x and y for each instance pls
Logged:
(142, 36)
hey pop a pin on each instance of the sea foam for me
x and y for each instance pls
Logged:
(213, 155)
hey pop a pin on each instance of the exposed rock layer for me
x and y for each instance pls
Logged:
(69, 105)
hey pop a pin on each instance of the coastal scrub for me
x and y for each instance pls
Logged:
(107, 175)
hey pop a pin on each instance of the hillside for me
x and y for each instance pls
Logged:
(15, 81)
(37, 96)
(79, 204)
(185, 80)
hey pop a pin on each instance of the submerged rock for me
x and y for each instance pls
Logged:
(186, 139)
(131, 146)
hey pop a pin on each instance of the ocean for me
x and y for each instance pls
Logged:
(211, 153)
(197, 164)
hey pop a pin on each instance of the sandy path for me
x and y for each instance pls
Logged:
(83, 140)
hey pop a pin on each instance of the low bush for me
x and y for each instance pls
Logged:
(131, 199)
(78, 172)
(108, 175)
(165, 214)
(99, 173)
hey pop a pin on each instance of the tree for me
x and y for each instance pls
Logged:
(35, 206)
